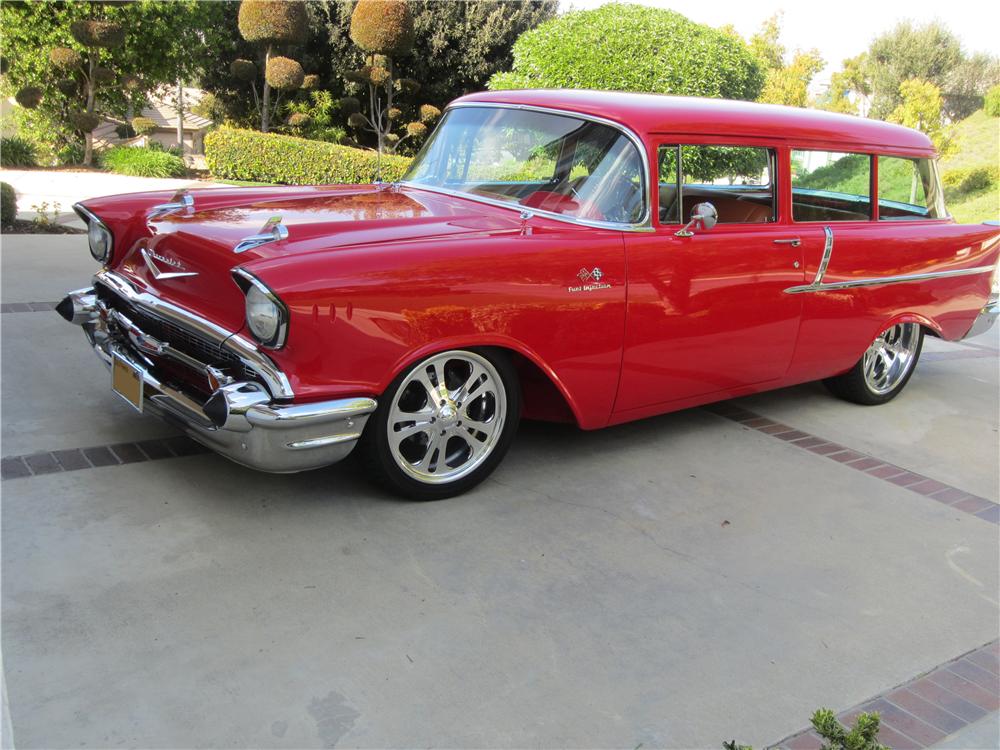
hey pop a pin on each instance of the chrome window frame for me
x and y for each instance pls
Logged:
(643, 225)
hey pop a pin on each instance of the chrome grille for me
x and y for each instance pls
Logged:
(205, 351)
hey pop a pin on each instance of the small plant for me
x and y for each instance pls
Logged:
(143, 162)
(991, 102)
(17, 152)
(8, 205)
(44, 218)
(863, 736)
(958, 182)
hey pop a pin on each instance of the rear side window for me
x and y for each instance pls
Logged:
(831, 186)
(737, 180)
(909, 189)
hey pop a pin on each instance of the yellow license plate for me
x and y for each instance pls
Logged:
(126, 381)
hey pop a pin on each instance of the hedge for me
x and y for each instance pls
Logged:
(252, 156)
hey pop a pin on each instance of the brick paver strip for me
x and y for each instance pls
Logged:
(929, 707)
(96, 456)
(980, 507)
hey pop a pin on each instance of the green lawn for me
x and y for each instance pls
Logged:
(977, 140)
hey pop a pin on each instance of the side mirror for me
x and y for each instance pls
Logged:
(703, 215)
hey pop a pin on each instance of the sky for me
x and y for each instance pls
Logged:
(837, 28)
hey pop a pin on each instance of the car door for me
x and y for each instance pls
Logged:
(707, 311)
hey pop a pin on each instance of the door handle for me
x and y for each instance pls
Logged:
(794, 242)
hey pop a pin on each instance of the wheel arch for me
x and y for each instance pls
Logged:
(539, 382)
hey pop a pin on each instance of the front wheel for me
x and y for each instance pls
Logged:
(444, 425)
(884, 368)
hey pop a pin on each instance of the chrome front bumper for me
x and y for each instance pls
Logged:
(240, 420)
(987, 317)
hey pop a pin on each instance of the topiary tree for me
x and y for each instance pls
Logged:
(384, 29)
(81, 75)
(633, 48)
(271, 24)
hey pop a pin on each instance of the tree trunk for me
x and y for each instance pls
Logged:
(180, 115)
(88, 137)
(266, 98)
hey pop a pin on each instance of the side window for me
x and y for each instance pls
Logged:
(908, 189)
(737, 180)
(831, 186)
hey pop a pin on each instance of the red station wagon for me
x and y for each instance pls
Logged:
(579, 256)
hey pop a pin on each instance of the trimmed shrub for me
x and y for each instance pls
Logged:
(273, 21)
(384, 27)
(8, 205)
(105, 34)
(17, 152)
(991, 102)
(29, 97)
(64, 58)
(283, 73)
(4, 65)
(243, 70)
(103, 75)
(429, 113)
(67, 86)
(416, 129)
(310, 81)
(265, 157)
(143, 162)
(131, 82)
(143, 125)
(633, 48)
(84, 121)
(962, 181)
(349, 105)
(299, 120)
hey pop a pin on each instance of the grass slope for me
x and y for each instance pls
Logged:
(977, 140)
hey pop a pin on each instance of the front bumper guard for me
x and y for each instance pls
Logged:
(239, 420)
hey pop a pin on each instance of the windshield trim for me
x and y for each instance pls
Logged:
(643, 225)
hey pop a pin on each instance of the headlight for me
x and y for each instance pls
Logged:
(267, 317)
(100, 241)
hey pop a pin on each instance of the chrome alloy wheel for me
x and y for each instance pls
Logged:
(891, 357)
(447, 417)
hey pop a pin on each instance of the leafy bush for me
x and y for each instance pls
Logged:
(143, 125)
(143, 162)
(266, 157)
(8, 205)
(17, 152)
(963, 181)
(862, 736)
(991, 102)
(633, 48)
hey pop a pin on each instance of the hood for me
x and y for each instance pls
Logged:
(189, 256)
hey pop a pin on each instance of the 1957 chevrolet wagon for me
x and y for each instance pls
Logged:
(560, 255)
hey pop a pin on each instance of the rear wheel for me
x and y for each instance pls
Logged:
(444, 425)
(884, 369)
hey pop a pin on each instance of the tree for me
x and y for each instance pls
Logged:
(164, 42)
(920, 108)
(785, 83)
(271, 25)
(837, 97)
(383, 29)
(967, 84)
(929, 52)
(856, 77)
(633, 48)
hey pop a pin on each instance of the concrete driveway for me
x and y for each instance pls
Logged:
(674, 582)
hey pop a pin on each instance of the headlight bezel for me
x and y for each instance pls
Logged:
(246, 281)
(94, 223)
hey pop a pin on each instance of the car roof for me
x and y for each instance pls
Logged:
(657, 113)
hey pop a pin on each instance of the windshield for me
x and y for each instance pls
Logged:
(549, 162)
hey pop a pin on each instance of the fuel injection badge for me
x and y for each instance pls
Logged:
(590, 281)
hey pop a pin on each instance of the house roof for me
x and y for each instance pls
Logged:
(161, 110)
(655, 113)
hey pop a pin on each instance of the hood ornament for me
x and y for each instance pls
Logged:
(182, 201)
(272, 231)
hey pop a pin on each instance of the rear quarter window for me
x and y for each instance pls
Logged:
(909, 189)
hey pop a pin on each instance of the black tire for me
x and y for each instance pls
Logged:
(384, 463)
(856, 387)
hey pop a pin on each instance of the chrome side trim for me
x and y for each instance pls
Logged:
(277, 382)
(878, 281)
(643, 225)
